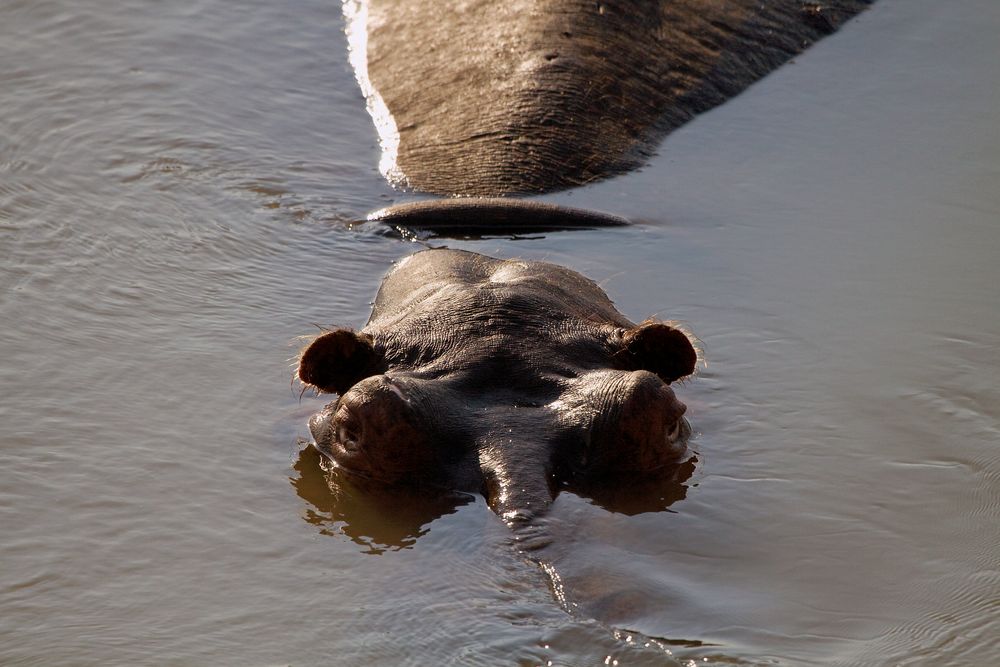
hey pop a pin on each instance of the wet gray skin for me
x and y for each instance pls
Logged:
(508, 378)
(472, 215)
(499, 98)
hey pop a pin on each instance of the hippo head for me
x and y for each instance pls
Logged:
(508, 378)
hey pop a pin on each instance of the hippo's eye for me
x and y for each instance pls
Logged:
(348, 440)
(345, 436)
(347, 432)
(675, 432)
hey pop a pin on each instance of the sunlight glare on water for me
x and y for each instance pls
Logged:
(356, 15)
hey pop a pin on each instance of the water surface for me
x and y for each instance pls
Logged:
(176, 181)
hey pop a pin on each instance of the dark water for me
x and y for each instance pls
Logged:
(175, 183)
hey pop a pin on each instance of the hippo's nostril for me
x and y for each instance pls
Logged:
(517, 499)
(517, 517)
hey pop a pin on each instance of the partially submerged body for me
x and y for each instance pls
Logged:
(509, 378)
(521, 96)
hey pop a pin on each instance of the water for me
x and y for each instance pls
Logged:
(175, 186)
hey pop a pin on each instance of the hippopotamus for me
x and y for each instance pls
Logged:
(517, 378)
(509, 378)
(519, 96)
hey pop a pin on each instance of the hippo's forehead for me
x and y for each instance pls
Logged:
(448, 283)
(500, 337)
(449, 310)
(476, 396)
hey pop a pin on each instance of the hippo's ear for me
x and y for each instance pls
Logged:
(659, 348)
(339, 359)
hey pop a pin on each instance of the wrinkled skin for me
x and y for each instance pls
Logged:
(490, 97)
(507, 378)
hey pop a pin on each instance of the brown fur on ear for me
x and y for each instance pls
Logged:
(659, 348)
(337, 360)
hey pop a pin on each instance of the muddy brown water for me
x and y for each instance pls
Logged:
(175, 183)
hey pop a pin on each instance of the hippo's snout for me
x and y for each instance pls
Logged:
(519, 498)
(517, 475)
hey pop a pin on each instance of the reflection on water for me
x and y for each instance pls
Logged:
(632, 496)
(380, 518)
(384, 519)
(377, 519)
